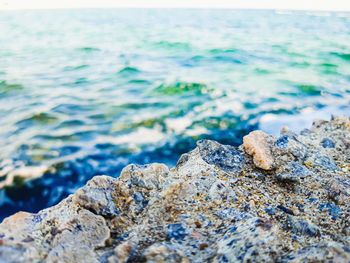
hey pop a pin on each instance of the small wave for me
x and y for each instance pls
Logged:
(8, 87)
(229, 59)
(41, 118)
(81, 81)
(80, 136)
(67, 150)
(63, 137)
(142, 105)
(234, 56)
(139, 81)
(173, 45)
(215, 51)
(328, 65)
(72, 68)
(77, 82)
(328, 68)
(17, 176)
(344, 56)
(128, 71)
(141, 135)
(71, 123)
(179, 88)
(178, 125)
(146, 123)
(89, 49)
(262, 71)
(70, 108)
(309, 89)
(300, 64)
(194, 61)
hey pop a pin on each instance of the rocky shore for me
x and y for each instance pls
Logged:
(284, 199)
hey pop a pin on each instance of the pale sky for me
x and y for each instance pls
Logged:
(320, 5)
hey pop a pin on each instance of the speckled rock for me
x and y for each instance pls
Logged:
(164, 253)
(293, 172)
(98, 197)
(283, 199)
(322, 252)
(250, 240)
(63, 233)
(226, 157)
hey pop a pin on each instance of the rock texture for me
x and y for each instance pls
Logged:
(258, 145)
(283, 199)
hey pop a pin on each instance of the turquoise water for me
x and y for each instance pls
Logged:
(86, 92)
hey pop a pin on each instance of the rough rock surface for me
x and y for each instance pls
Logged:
(283, 199)
(258, 144)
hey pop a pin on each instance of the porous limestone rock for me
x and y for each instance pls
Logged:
(283, 199)
(258, 144)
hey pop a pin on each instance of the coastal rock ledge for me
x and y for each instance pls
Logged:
(284, 199)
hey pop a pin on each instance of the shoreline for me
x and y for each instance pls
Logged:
(271, 199)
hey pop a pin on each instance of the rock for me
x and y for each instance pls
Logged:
(333, 210)
(226, 157)
(149, 177)
(158, 253)
(302, 227)
(338, 189)
(122, 253)
(321, 252)
(232, 214)
(176, 231)
(97, 196)
(282, 142)
(327, 143)
(270, 210)
(285, 209)
(64, 233)
(216, 205)
(258, 145)
(321, 161)
(289, 148)
(254, 240)
(221, 190)
(292, 172)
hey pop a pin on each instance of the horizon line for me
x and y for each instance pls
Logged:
(282, 5)
(179, 8)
